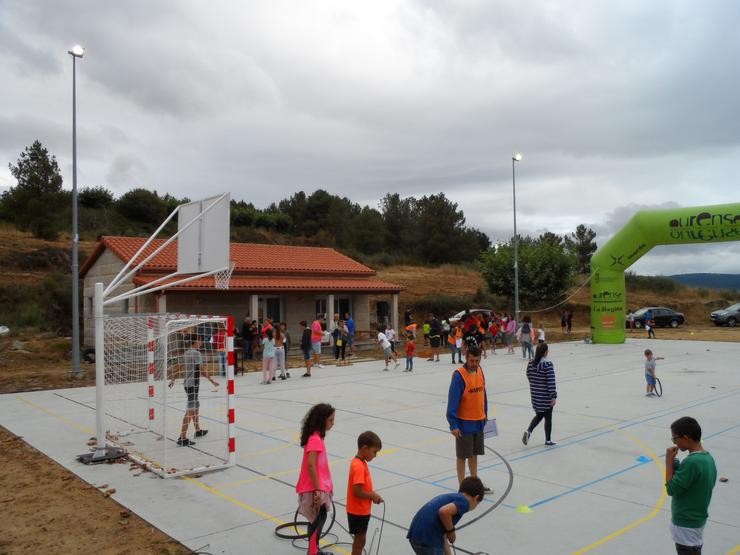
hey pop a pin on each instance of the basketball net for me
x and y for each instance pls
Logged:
(222, 278)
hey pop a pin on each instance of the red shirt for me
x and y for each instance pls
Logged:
(410, 348)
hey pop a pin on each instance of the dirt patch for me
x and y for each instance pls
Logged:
(47, 509)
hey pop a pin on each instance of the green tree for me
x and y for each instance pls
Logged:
(545, 270)
(399, 219)
(34, 203)
(581, 244)
(144, 206)
(95, 197)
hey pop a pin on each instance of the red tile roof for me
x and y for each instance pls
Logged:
(264, 283)
(258, 267)
(250, 258)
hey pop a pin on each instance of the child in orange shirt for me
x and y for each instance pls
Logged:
(360, 493)
(410, 350)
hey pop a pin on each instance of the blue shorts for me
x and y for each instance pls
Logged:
(306, 355)
(316, 346)
(649, 379)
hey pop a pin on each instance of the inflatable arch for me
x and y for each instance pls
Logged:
(646, 229)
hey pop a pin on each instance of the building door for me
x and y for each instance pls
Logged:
(343, 306)
(383, 312)
(270, 307)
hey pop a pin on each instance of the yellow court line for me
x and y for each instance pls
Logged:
(254, 510)
(654, 511)
(383, 452)
(64, 420)
(735, 550)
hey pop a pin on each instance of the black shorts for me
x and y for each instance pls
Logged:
(192, 393)
(357, 523)
(469, 445)
(435, 341)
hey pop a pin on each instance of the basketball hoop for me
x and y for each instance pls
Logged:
(223, 277)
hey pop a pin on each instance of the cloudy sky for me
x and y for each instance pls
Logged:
(615, 106)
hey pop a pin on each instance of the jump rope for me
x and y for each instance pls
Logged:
(297, 537)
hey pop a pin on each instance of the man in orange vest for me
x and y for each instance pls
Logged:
(467, 412)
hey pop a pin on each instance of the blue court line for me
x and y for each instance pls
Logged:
(710, 436)
(626, 424)
(592, 482)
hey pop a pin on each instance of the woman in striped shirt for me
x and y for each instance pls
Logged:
(541, 376)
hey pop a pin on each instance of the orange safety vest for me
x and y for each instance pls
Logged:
(457, 333)
(473, 402)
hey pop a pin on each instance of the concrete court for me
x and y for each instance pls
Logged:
(600, 490)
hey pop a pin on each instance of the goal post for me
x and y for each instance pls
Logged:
(169, 391)
(201, 224)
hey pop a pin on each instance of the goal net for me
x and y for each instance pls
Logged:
(168, 394)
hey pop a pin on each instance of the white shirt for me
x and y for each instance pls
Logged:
(390, 334)
(540, 334)
(383, 340)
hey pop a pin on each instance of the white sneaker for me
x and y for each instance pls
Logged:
(397, 365)
(319, 366)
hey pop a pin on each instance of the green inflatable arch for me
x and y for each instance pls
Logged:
(646, 229)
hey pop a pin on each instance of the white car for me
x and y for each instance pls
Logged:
(456, 318)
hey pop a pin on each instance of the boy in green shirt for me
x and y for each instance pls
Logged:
(690, 484)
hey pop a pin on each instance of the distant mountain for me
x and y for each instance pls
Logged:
(710, 281)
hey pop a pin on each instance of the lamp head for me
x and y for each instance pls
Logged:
(517, 157)
(77, 51)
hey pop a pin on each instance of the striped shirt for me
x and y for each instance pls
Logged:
(541, 384)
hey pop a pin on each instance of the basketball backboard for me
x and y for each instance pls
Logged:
(204, 245)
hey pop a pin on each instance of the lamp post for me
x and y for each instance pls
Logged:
(76, 52)
(514, 159)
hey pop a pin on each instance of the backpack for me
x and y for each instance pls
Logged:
(526, 329)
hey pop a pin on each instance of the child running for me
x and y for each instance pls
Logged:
(315, 488)
(650, 373)
(433, 528)
(360, 493)
(410, 350)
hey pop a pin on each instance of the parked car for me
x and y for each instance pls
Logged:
(456, 318)
(663, 317)
(729, 315)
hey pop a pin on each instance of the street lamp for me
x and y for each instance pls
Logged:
(514, 159)
(76, 52)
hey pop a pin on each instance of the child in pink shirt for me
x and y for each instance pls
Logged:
(314, 485)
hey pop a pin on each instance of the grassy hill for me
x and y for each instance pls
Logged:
(730, 282)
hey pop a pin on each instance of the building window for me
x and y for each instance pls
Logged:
(343, 306)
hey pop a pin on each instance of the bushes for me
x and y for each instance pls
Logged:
(46, 306)
(655, 284)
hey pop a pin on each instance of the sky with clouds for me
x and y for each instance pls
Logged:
(615, 106)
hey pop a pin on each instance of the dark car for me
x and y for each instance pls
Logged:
(663, 317)
(729, 315)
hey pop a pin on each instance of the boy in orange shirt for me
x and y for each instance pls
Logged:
(360, 493)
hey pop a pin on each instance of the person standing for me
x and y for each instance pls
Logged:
(350, 323)
(690, 484)
(631, 320)
(268, 357)
(543, 391)
(569, 321)
(317, 334)
(563, 321)
(315, 488)
(435, 337)
(340, 335)
(510, 334)
(525, 335)
(410, 350)
(390, 333)
(306, 347)
(280, 352)
(194, 370)
(467, 412)
(247, 337)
